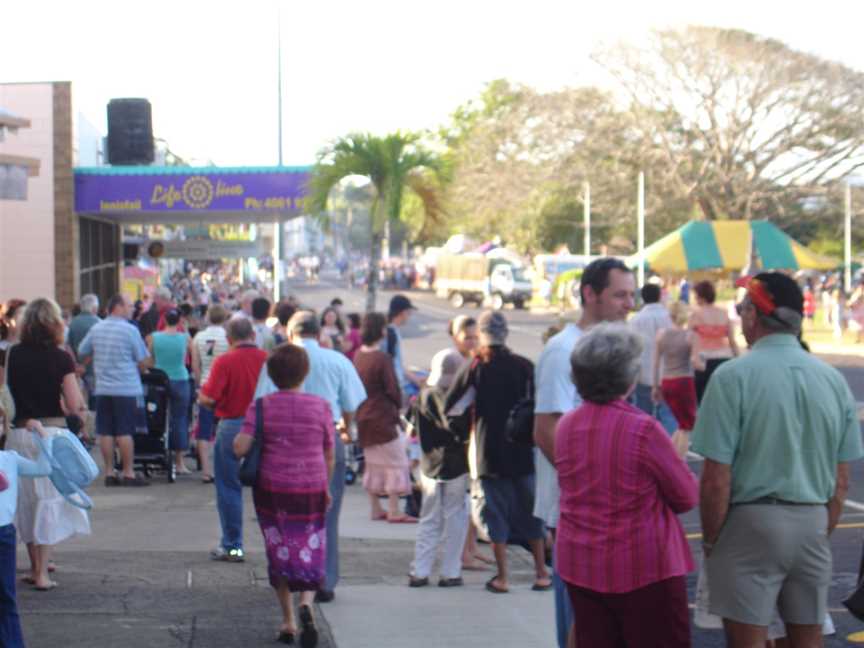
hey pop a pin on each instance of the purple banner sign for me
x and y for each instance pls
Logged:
(189, 189)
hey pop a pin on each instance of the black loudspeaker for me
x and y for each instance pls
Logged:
(130, 132)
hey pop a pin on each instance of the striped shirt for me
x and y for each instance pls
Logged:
(211, 343)
(117, 348)
(622, 486)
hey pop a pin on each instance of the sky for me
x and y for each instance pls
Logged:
(209, 68)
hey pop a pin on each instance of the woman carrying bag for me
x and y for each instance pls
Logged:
(294, 434)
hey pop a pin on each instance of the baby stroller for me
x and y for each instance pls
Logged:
(151, 431)
(353, 460)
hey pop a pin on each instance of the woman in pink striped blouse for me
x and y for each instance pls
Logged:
(621, 548)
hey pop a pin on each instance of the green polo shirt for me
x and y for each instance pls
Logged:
(783, 420)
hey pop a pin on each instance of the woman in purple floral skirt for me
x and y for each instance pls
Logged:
(291, 496)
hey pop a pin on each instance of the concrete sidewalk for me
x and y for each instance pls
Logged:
(374, 606)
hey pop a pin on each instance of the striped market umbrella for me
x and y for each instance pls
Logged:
(725, 245)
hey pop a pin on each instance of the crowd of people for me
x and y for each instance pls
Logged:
(594, 477)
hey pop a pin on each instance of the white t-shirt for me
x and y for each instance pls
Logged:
(211, 343)
(555, 393)
(647, 322)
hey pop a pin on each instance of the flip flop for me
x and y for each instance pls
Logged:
(484, 559)
(541, 588)
(380, 516)
(403, 519)
(46, 589)
(209, 479)
(29, 580)
(492, 587)
(285, 637)
(473, 567)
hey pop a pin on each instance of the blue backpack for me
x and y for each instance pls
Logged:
(72, 468)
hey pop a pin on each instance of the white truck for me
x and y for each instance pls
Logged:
(481, 279)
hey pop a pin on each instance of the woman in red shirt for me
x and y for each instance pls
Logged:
(621, 549)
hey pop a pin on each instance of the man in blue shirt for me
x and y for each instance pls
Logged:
(117, 352)
(333, 378)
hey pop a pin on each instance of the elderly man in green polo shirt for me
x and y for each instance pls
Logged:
(777, 429)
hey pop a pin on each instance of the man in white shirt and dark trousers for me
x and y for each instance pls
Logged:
(606, 291)
(652, 318)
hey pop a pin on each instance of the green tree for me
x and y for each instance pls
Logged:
(395, 165)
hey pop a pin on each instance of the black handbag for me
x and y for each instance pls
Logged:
(251, 461)
(855, 601)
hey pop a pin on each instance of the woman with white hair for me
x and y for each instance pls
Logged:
(621, 549)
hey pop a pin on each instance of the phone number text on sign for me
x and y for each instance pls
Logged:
(272, 203)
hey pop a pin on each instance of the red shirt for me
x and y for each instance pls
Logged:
(622, 486)
(233, 378)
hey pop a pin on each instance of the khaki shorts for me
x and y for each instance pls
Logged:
(771, 555)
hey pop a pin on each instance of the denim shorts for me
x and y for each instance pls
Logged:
(508, 509)
(206, 424)
(116, 415)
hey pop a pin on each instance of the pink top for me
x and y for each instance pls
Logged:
(622, 484)
(354, 342)
(298, 428)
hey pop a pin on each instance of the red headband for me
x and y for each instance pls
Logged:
(760, 297)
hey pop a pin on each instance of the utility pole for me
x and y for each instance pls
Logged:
(640, 217)
(587, 208)
(847, 243)
(277, 219)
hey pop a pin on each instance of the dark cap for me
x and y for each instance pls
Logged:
(784, 290)
(399, 304)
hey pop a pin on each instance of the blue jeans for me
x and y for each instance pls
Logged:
(642, 400)
(179, 394)
(563, 607)
(10, 622)
(337, 489)
(229, 490)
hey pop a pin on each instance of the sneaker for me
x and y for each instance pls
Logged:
(450, 582)
(414, 581)
(227, 555)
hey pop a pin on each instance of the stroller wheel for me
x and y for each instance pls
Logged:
(350, 476)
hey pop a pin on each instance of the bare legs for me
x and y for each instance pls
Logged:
(289, 624)
(378, 512)
(180, 463)
(40, 557)
(744, 635)
(203, 448)
(681, 441)
(127, 454)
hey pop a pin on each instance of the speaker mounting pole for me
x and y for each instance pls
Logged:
(277, 220)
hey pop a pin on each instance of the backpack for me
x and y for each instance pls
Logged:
(519, 427)
(72, 468)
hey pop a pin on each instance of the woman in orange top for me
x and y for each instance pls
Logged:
(714, 336)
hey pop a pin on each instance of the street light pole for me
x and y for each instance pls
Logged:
(587, 208)
(847, 247)
(277, 220)
(640, 217)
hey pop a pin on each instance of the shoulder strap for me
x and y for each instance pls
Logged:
(391, 340)
(259, 419)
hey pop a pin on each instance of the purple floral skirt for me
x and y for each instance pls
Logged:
(294, 537)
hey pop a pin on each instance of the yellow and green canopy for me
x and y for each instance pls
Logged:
(725, 245)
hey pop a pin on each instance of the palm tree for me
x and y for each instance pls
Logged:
(393, 164)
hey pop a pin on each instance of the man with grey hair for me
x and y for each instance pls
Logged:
(333, 378)
(229, 391)
(246, 300)
(607, 292)
(778, 428)
(79, 327)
